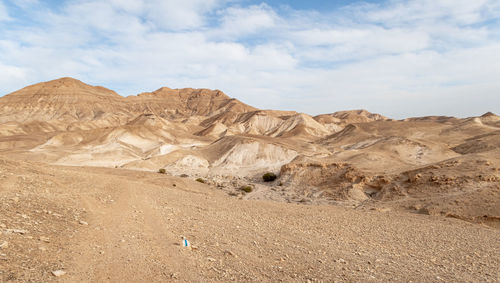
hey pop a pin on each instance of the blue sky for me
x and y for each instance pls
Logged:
(397, 58)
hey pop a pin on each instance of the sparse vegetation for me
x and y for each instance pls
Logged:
(162, 171)
(184, 175)
(269, 177)
(200, 180)
(247, 189)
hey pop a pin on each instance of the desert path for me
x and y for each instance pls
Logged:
(136, 221)
(116, 225)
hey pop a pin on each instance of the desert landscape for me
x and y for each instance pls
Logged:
(98, 187)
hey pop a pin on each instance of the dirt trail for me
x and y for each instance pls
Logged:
(136, 221)
(127, 239)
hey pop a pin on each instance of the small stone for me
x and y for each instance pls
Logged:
(340, 260)
(42, 248)
(3, 225)
(4, 245)
(44, 239)
(58, 273)
(211, 259)
(83, 222)
(16, 231)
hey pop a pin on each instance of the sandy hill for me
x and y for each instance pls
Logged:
(64, 99)
(185, 102)
(348, 157)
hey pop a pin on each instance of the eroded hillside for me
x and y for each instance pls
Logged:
(433, 165)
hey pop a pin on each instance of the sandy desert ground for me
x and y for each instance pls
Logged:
(359, 196)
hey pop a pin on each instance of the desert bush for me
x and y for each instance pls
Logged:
(247, 189)
(200, 180)
(162, 171)
(269, 177)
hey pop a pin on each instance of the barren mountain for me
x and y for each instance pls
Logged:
(363, 182)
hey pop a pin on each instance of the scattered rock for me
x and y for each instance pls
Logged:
(228, 252)
(4, 245)
(44, 239)
(16, 231)
(58, 273)
(341, 260)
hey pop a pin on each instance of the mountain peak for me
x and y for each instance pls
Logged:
(489, 114)
(67, 87)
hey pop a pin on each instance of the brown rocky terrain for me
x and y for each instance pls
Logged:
(358, 196)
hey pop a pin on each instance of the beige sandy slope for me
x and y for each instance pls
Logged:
(348, 157)
(115, 225)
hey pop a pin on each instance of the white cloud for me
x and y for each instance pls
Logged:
(3, 12)
(429, 11)
(12, 76)
(402, 58)
(180, 15)
(239, 22)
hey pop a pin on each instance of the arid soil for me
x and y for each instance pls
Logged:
(116, 225)
(358, 196)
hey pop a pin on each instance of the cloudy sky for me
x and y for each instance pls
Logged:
(397, 58)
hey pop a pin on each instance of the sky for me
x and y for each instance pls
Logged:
(397, 58)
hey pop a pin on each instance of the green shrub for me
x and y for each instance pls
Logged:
(269, 177)
(247, 189)
(200, 180)
(162, 171)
